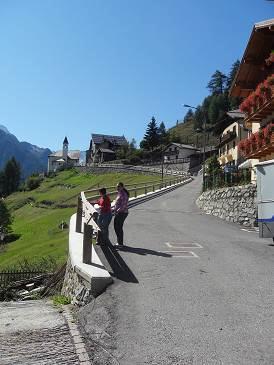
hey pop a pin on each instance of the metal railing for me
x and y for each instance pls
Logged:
(86, 217)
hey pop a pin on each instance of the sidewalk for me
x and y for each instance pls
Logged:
(36, 333)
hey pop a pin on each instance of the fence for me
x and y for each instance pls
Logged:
(223, 179)
(86, 218)
(10, 276)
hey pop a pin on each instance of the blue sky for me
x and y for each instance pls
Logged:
(106, 66)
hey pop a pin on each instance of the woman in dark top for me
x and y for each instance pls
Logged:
(121, 213)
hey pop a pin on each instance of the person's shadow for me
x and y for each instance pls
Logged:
(115, 264)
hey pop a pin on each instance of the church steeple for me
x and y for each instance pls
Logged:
(65, 149)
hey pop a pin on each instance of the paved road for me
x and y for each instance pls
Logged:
(36, 333)
(217, 308)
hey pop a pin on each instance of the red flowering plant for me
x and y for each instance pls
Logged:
(253, 142)
(267, 133)
(241, 147)
(270, 60)
(259, 137)
(247, 144)
(246, 106)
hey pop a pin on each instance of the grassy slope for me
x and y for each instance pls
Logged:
(189, 136)
(38, 224)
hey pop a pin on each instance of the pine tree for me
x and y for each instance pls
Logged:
(232, 74)
(151, 137)
(217, 83)
(163, 135)
(5, 218)
(189, 115)
(12, 173)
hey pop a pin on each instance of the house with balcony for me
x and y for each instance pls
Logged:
(175, 152)
(254, 85)
(233, 133)
(103, 148)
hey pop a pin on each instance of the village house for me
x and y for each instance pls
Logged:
(103, 148)
(234, 131)
(63, 158)
(175, 152)
(254, 84)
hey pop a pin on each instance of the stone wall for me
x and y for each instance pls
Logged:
(75, 287)
(234, 204)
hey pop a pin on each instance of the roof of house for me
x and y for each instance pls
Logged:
(253, 68)
(65, 141)
(180, 145)
(73, 155)
(116, 140)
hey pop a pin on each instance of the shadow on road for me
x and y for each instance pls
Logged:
(114, 263)
(143, 251)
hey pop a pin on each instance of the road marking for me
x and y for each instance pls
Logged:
(183, 245)
(185, 254)
(249, 231)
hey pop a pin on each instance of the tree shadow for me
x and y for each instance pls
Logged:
(11, 238)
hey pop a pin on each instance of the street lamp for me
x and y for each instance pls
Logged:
(204, 140)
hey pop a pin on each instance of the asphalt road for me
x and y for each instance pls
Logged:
(216, 308)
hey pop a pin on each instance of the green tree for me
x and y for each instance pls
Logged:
(232, 73)
(163, 135)
(151, 138)
(213, 165)
(5, 218)
(217, 82)
(12, 174)
(189, 115)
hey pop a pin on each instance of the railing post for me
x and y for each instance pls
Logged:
(146, 189)
(78, 227)
(87, 243)
(153, 188)
(135, 191)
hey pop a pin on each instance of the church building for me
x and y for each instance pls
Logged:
(63, 158)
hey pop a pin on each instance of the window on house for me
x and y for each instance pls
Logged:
(234, 129)
(234, 144)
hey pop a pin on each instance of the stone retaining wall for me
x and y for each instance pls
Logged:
(234, 204)
(75, 287)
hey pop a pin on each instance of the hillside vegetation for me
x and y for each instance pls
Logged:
(185, 133)
(38, 214)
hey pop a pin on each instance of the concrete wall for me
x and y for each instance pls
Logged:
(234, 204)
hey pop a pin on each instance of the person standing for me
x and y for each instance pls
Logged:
(120, 212)
(104, 217)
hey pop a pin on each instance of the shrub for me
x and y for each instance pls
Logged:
(33, 182)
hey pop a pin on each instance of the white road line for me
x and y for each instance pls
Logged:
(192, 254)
(197, 245)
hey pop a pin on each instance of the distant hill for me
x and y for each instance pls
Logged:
(187, 134)
(32, 158)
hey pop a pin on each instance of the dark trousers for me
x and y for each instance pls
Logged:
(118, 227)
(103, 222)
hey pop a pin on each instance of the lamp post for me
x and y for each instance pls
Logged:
(204, 140)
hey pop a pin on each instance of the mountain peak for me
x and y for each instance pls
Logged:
(4, 129)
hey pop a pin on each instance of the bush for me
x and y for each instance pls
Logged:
(33, 182)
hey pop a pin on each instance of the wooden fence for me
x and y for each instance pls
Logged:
(9, 276)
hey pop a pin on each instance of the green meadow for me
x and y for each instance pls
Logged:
(38, 213)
